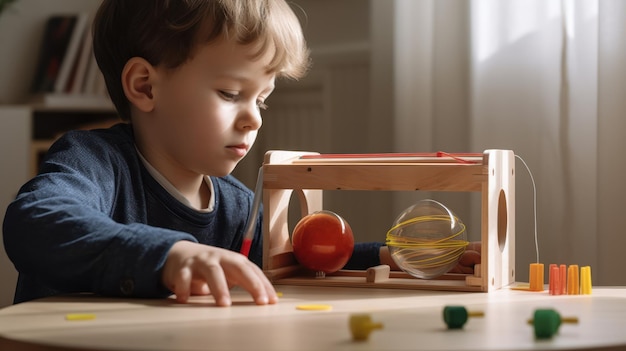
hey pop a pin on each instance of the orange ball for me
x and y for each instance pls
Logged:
(322, 241)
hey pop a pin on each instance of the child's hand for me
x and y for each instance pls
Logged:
(196, 269)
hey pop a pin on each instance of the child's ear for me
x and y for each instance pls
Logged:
(137, 78)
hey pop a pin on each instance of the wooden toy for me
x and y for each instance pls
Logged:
(309, 174)
(455, 317)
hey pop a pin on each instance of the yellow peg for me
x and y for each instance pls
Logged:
(361, 326)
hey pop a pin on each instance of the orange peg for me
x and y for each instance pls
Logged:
(536, 277)
(554, 280)
(563, 279)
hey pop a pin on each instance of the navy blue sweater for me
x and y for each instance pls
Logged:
(94, 220)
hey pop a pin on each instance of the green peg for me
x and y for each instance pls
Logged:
(456, 316)
(546, 322)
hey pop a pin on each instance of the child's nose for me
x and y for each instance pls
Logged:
(250, 118)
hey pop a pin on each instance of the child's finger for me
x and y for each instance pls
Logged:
(270, 292)
(249, 277)
(199, 287)
(182, 283)
(216, 280)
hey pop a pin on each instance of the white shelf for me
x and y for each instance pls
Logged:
(72, 102)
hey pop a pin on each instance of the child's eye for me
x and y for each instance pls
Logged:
(261, 105)
(228, 96)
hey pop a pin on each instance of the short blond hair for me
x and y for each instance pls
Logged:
(168, 33)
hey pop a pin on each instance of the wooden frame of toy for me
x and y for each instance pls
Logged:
(308, 174)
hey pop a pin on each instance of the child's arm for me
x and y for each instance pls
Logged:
(196, 269)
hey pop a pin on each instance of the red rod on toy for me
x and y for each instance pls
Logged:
(459, 157)
(248, 235)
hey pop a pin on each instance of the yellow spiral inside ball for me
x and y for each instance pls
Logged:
(427, 240)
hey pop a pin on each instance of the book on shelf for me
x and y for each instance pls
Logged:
(82, 64)
(70, 62)
(56, 39)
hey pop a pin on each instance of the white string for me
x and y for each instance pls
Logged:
(532, 179)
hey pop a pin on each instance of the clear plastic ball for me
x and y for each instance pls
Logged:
(427, 239)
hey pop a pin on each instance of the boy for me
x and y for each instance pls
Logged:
(148, 208)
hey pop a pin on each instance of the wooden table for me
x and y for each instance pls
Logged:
(412, 320)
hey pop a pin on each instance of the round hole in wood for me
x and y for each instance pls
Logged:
(502, 220)
(297, 204)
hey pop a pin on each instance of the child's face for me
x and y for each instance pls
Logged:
(207, 112)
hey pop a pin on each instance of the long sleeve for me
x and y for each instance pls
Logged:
(364, 256)
(61, 228)
(94, 220)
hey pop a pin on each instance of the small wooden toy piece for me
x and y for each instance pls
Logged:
(377, 274)
(573, 287)
(536, 277)
(585, 280)
(361, 326)
(558, 279)
(555, 280)
(455, 317)
(546, 322)
(563, 279)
